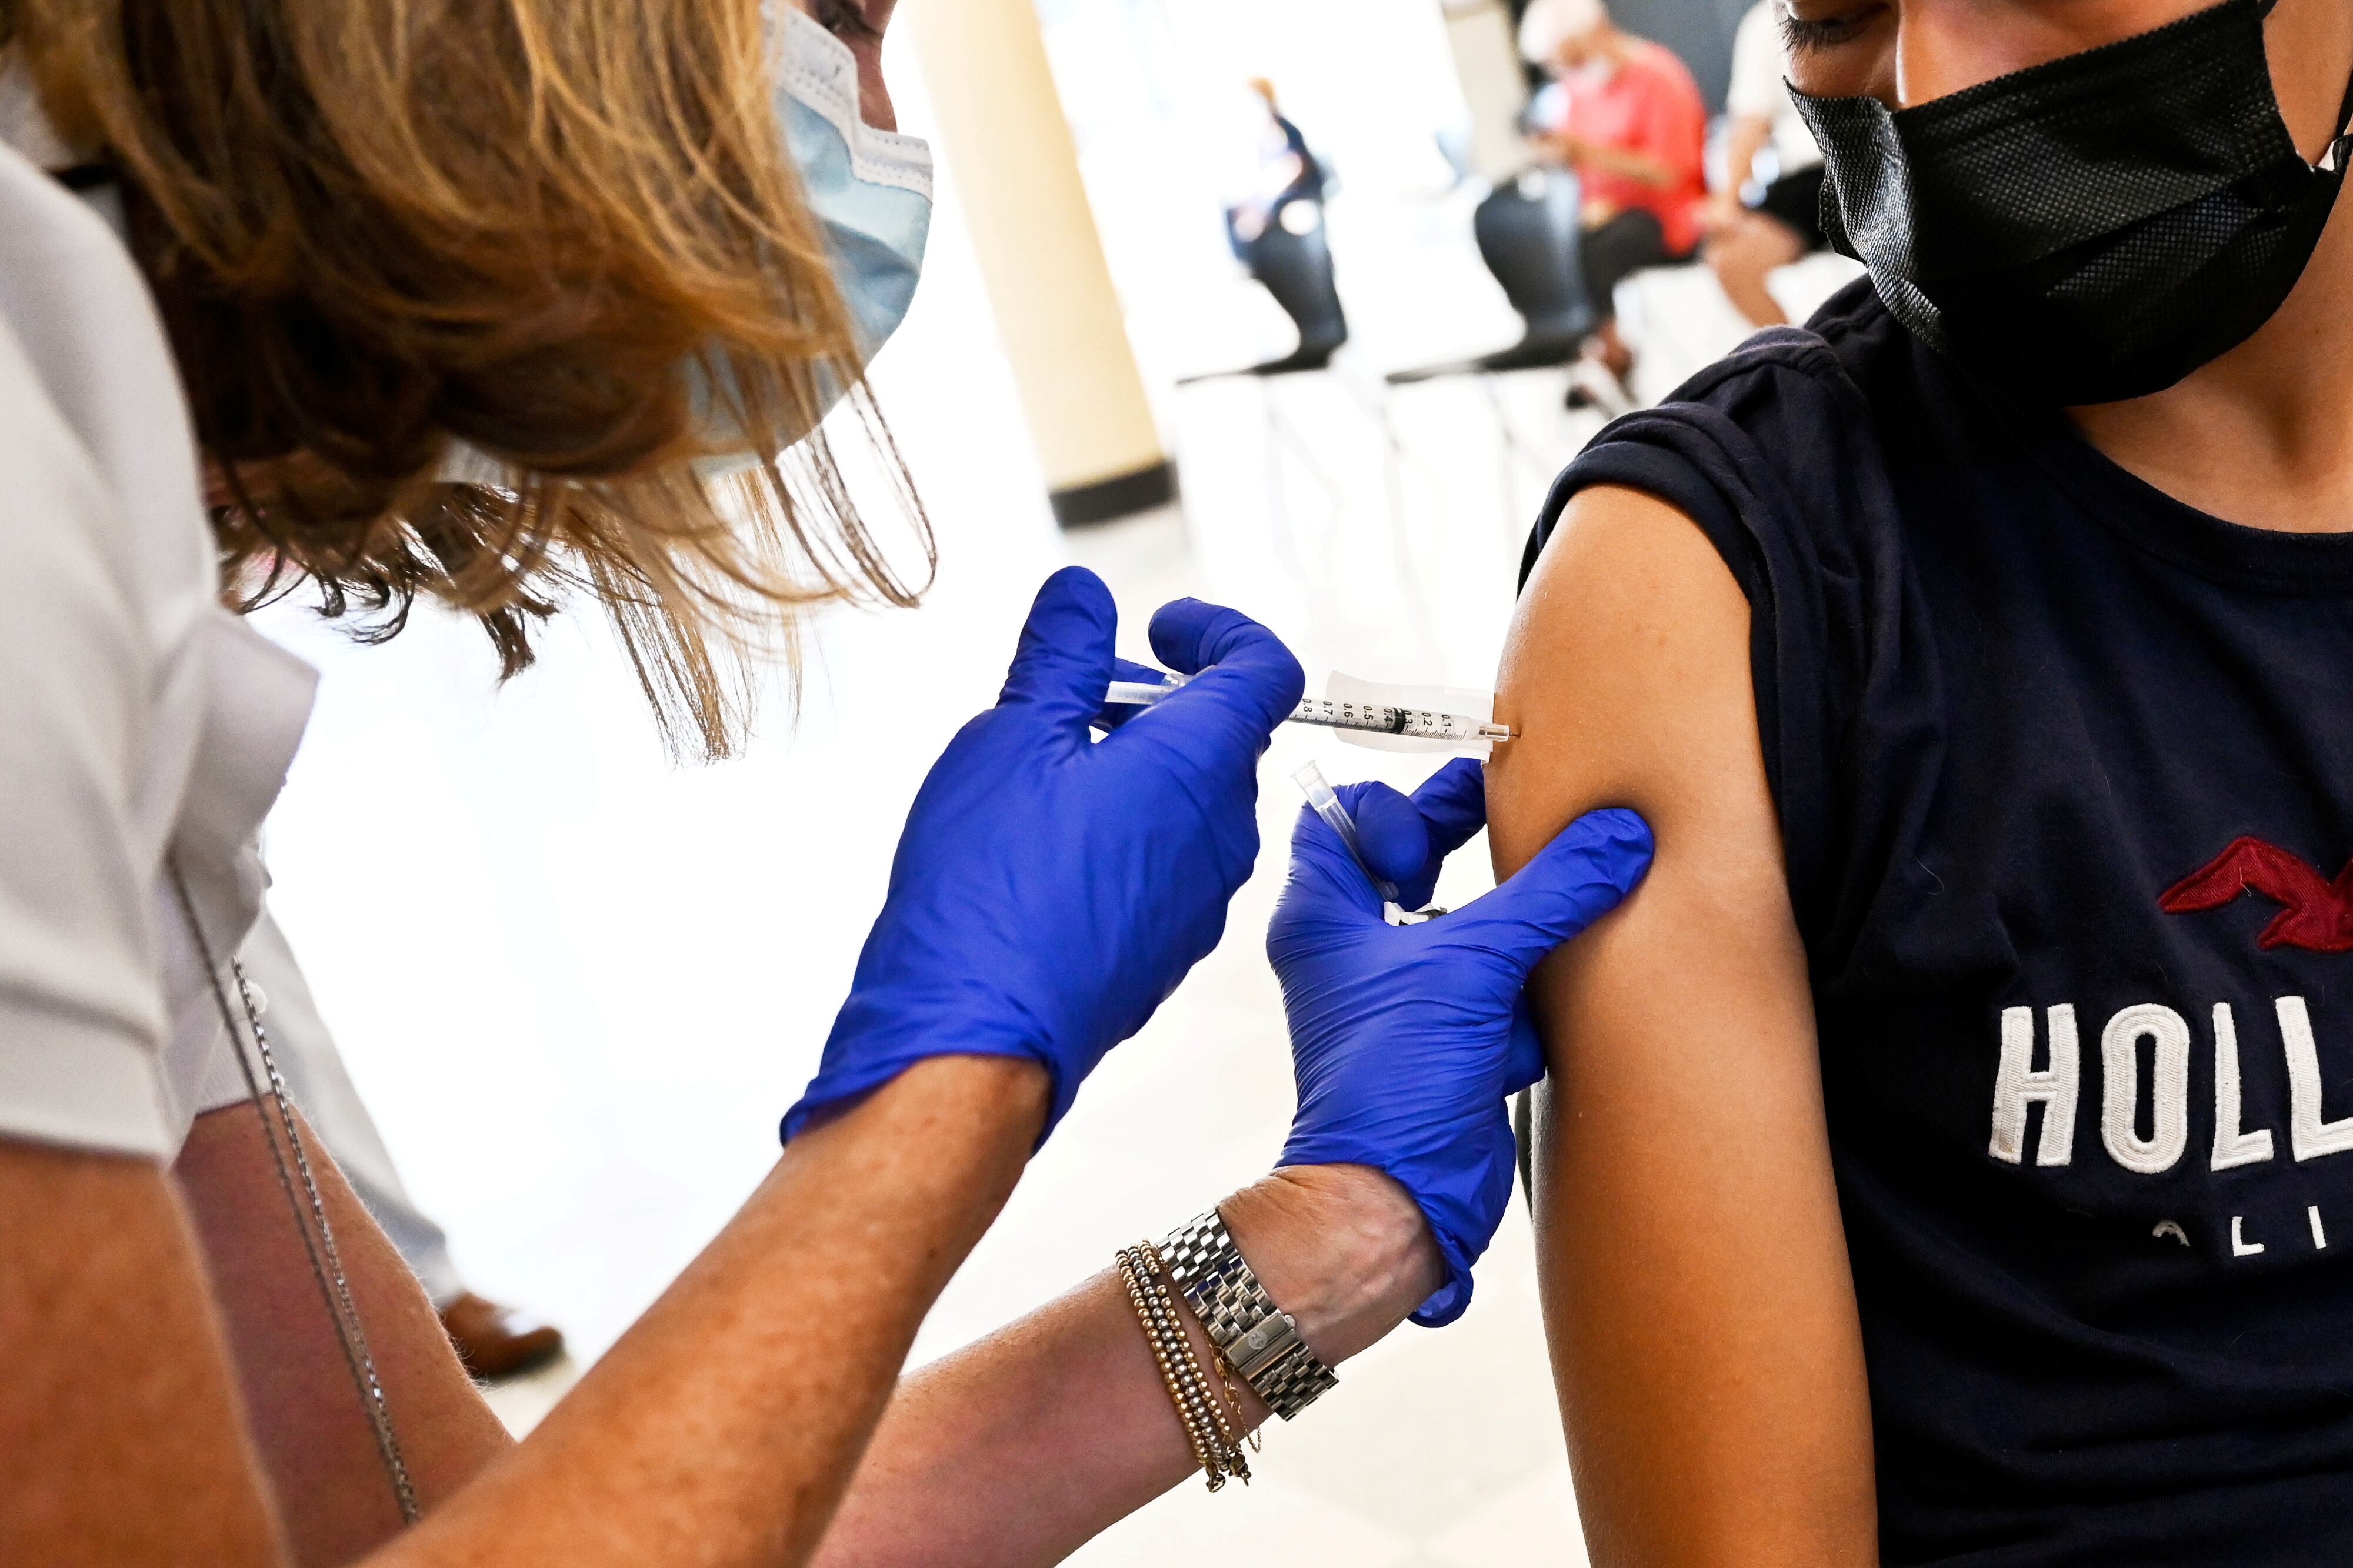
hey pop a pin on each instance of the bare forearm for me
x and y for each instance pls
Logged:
(668, 1457)
(1623, 162)
(1640, 166)
(1020, 1448)
(1740, 149)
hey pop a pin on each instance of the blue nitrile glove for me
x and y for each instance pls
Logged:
(1406, 1040)
(1050, 890)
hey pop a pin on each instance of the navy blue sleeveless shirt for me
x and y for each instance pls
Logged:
(2064, 771)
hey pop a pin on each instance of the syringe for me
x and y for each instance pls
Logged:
(1369, 717)
(1327, 804)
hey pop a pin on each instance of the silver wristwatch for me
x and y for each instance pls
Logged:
(1258, 1339)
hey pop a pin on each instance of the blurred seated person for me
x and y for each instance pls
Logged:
(1756, 225)
(1275, 226)
(1628, 120)
(1287, 172)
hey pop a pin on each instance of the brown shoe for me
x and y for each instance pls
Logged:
(495, 1342)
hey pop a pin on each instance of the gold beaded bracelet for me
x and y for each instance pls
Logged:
(1224, 1368)
(1200, 1412)
(1139, 1297)
(1163, 1303)
(1213, 1439)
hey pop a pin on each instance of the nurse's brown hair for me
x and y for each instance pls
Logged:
(384, 234)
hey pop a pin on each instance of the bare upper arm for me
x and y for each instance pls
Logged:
(118, 1412)
(1697, 1293)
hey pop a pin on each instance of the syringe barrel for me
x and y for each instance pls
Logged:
(1377, 718)
(1364, 718)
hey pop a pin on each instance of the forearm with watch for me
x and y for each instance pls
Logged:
(1020, 1448)
(1406, 1041)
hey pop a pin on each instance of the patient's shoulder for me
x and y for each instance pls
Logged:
(1784, 455)
(1625, 673)
(1852, 346)
(1788, 444)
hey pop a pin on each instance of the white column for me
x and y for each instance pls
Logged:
(1003, 135)
(1486, 51)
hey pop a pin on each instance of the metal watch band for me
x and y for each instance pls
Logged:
(1259, 1338)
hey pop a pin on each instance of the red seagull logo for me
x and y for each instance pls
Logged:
(2319, 913)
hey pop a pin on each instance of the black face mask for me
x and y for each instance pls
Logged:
(2092, 228)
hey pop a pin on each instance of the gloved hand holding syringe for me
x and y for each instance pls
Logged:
(1352, 710)
(1362, 960)
(1052, 889)
(1359, 714)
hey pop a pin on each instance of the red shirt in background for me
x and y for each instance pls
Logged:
(1649, 104)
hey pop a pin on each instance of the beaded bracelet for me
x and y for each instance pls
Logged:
(1225, 1373)
(1163, 1303)
(1200, 1412)
(1224, 1368)
(1138, 1295)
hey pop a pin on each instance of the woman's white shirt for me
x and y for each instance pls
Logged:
(142, 726)
(1760, 88)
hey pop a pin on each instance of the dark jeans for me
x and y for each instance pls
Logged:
(1607, 253)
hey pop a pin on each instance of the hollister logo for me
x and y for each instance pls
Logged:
(2165, 1037)
(2159, 1099)
(2319, 913)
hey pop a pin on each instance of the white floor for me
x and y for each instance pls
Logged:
(578, 986)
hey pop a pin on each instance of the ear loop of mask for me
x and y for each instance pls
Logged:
(2340, 148)
(2341, 143)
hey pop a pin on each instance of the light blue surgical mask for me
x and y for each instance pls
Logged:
(870, 193)
(870, 190)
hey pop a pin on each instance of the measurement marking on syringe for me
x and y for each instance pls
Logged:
(1366, 718)
(1351, 716)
